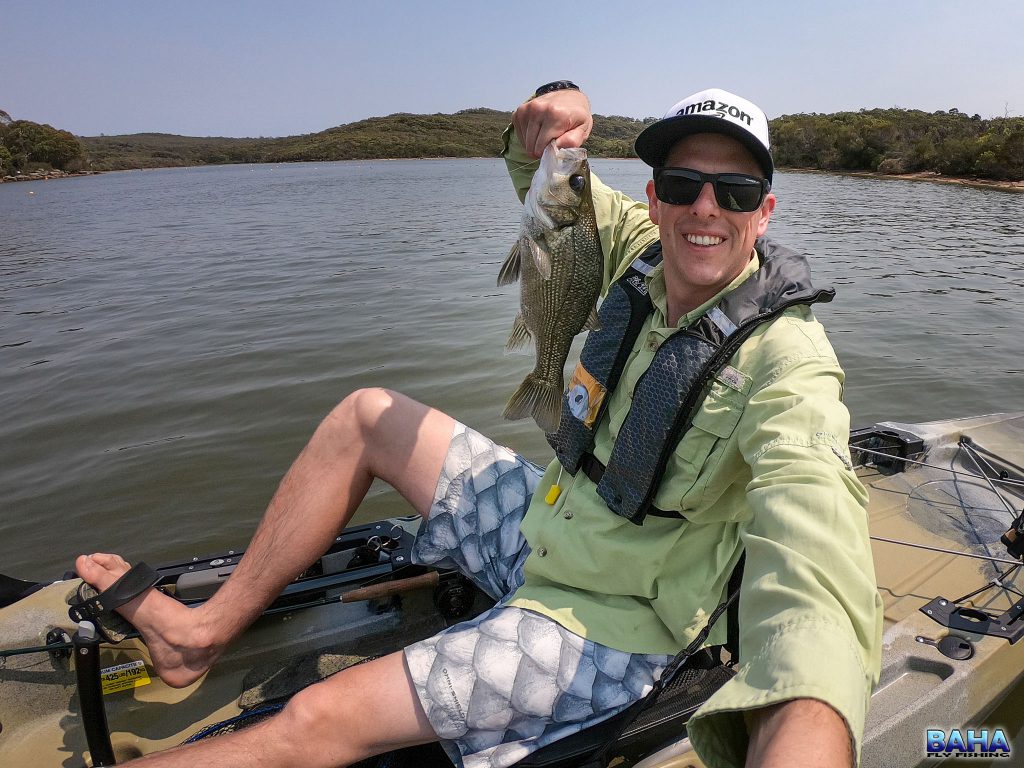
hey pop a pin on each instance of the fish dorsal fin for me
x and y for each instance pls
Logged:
(593, 323)
(510, 270)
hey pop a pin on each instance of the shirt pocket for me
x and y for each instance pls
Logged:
(704, 463)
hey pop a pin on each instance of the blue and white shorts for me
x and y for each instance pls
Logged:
(509, 681)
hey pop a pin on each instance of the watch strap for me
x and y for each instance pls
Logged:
(557, 85)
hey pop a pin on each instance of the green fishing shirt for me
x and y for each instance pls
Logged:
(765, 469)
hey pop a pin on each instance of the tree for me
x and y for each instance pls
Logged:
(29, 142)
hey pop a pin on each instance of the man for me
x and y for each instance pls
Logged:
(596, 592)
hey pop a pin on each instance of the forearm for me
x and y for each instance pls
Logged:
(803, 733)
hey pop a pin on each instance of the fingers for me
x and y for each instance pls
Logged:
(575, 137)
(561, 116)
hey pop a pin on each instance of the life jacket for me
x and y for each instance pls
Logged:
(669, 393)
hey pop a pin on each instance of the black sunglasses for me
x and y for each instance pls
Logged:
(737, 192)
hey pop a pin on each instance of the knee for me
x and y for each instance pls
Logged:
(360, 413)
(312, 730)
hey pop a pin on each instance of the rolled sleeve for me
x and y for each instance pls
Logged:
(778, 673)
(810, 613)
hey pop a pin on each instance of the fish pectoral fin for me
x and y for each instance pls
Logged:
(520, 334)
(510, 270)
(593, 323)
(541, 259)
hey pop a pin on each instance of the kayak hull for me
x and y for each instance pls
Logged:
(920, 688)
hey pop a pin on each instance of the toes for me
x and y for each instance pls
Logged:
(114, 563)
(101, 570)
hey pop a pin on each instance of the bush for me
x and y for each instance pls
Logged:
(951, 143)
(892, 165)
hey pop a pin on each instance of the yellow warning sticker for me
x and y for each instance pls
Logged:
(124, 677)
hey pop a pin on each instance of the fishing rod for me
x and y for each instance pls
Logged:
(371, 591)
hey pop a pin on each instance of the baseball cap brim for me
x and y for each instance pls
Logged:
(655, 141)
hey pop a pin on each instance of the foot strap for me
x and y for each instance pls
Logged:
(99, 607)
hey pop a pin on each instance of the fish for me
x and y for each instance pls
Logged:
(560, 266)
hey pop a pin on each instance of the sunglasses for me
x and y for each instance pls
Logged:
(737, 192)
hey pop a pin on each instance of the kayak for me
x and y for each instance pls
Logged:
(946, 500)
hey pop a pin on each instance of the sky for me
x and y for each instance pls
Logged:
(227, 68)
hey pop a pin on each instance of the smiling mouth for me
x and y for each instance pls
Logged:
(703, 240)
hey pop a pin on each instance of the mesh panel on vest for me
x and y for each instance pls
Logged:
(630, 475)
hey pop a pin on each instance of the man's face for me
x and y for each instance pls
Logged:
(706, 247)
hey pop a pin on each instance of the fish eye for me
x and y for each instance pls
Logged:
(577, 182)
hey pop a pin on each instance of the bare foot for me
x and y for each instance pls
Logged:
(172, 632)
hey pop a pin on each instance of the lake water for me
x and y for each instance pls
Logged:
(169, 339)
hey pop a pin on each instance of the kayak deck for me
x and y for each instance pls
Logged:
(921, 688)
(312, 633)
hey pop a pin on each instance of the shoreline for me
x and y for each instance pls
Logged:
(47, 175)
(927, 176)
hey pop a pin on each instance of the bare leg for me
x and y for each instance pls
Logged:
(364, 710)
(372, 433)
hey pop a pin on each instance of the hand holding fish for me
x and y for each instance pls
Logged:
(562, 117)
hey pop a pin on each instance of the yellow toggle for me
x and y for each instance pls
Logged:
(553, 493)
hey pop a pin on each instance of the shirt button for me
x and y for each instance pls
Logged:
(542, 552)
(567, 515)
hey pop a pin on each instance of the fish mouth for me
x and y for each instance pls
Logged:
(704, 240)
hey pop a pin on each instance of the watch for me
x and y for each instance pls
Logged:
(557, 85)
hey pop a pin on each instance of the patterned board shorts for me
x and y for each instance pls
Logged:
(510, 681)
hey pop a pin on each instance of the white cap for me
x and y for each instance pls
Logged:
(710, 111)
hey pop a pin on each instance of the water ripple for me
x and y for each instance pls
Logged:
(171, 338)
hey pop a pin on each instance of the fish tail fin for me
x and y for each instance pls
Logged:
(509, 271)
(537, 398)
(520, 334)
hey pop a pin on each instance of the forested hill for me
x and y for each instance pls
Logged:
(887, 140)
(469, 133)
(892, 141)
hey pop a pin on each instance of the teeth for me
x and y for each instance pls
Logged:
(703, 239)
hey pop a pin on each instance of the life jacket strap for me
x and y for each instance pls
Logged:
(594, 469)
